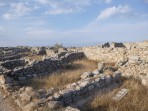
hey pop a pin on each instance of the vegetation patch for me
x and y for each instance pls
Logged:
(135, 100)
(67, 74)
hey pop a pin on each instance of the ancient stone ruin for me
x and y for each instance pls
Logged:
(131, 60)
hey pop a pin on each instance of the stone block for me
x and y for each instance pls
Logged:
(86, 75)
(96, 72)
(25, 97)
(101, 66)
(21, 78)
(117, 75)
(69, 108)
(90, 87)
(55, 104)
(145, 82)
(108, 79)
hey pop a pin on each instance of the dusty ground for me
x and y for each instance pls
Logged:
(7, 104)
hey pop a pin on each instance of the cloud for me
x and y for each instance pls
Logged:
(95, 34)
(7, 16)
(16, 10)
(20, 8)
(59, 11)
(113, 11)
(65, 6)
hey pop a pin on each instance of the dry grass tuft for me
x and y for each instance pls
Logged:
(110, 64)
(135, 100)
(68, 74)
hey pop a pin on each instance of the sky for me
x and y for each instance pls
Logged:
(72, 22)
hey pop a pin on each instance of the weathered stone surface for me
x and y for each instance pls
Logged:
(71, 109)
(10, 64)
(117, 75)
(131, 60)
(91, 87)
(108, 79)
(61, 49)
(83, 84)
(25, 97)
(49, 92)
(96, 72)
(4, 79)
(86, 75)
(46, 66)
(21, 78)
(145, 82)
(55, 104)
(134, 59)
(101, 66)
(30, 107)
(38, 50)
(50, 52)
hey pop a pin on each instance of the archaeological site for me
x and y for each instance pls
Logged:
(107, 77)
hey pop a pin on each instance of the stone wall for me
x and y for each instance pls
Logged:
(44, 67)
(104, 54)
(114, 54)
(131, 60)
(28, 98)
(10, 53)
(10, 64)
(85, 86)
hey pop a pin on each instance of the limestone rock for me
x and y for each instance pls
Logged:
(86, 75)
(91, 87)
(117, 75)
(25, 97)
(101, 66)
(96, 72)
(61, 49)
(4, 80)
(50, 52)
(55, 104)
(29, 90)
(108, 79)
(69, 108)
(145, 82)
(30, 107)
(133, 59)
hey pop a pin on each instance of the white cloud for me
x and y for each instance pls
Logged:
(109, 12)
(7, 16)
(20, 8)
(65, 6)
(16, 10)
(59, 11)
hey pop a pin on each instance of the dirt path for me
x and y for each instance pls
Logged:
(7, 104)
